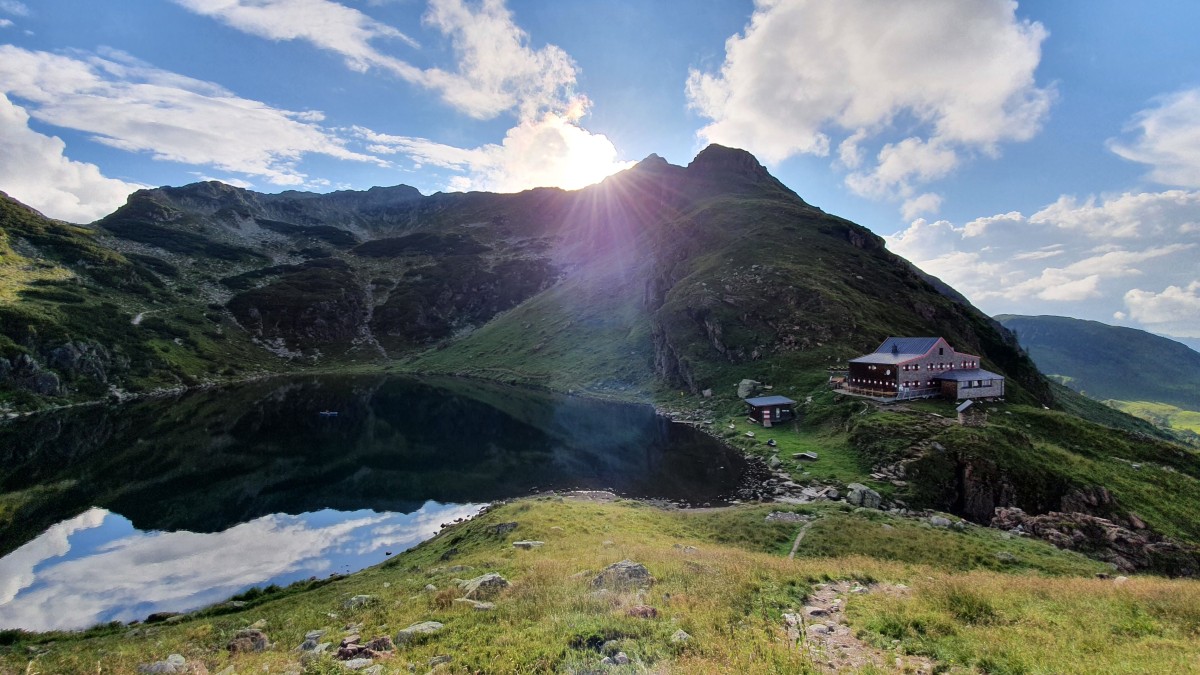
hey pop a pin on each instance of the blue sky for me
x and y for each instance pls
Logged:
(1041, 157)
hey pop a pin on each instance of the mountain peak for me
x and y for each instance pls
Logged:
(720, 159)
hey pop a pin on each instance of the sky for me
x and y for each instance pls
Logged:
(1041, 157)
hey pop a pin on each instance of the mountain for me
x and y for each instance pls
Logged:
(1110, 362)
(664, 284)
(661, 276)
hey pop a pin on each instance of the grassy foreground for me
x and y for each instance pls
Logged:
(1036, 610)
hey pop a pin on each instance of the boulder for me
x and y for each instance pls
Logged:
(861, 495)
(417, 631)
(477, 605)
(748, 388)
(358, 601)
(249, 640)
(501, 529)
(939, 521)
(680, 636)
(528, 545)
(623, 575)
(484, 587)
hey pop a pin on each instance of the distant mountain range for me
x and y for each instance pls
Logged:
(660, 276)
(1110, 362)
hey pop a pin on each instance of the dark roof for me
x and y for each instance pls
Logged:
(968, 374)
(908, 345)
(898, 350)
(769, 400)
(878, 357)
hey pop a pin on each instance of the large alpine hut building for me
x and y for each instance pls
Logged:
(921, 367)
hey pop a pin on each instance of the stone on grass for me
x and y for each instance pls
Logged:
(477, 605)
(861, 495)
(816, 611)
(359, 601)
(248, 640)
(818, 629)
(484, 587)
(623, 575)
(430, 588)
(159, 667)
(439, 660)
(806, 456)
(417, 630)
(501, 529)
(939, 521)
(680, 636)
(528, 545)
(621, 659)
(357, 664)
(642, 612)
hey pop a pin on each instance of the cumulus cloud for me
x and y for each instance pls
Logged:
(133, 575)
(135, 107)
(35, 170)
(5, 23)
(805, 73)
(1173, 311)
(1167, 137)
(1086, 257)
(495, 70)
(553, 151)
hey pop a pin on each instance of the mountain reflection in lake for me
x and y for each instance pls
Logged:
(168, 505)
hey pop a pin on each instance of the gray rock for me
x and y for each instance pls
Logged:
(623, 575)
(818, 629)
(177, 660)
(528, 545)
(786, 517)
(439, 660)
(417, 630)
(1005, 556)
(748, 388)
(315, 634)
(621, 659)
(376, 669)
(806, 456)
(249, 640)
(816, 611)
(861, 495)
(476, 604)
(501, 529)
(484, 587)
(359, 601)
(939, 521)
(159, 667)
(680, 636)
(773, 462)
(430, 588)
(357, 664)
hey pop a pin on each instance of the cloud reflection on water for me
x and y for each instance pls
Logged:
(61, 581)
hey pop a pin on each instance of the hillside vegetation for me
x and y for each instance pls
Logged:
(722, 577)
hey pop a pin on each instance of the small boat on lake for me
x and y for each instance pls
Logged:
(328, 413)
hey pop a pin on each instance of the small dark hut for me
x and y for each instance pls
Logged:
(771, 410)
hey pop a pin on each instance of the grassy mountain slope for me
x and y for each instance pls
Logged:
(1111, 362)
(723, 577)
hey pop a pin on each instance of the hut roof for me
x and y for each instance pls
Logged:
(769, 400)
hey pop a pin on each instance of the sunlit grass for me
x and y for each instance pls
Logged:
(728, 593)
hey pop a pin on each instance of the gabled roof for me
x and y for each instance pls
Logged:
(899, 349)
(769, 400)
(969, 374)
(918, 346)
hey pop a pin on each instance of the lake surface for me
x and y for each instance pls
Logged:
(173, 504)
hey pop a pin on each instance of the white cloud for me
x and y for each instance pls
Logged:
(35, 170)
(553, 151)
(924, 203)
(495, 71)
(132, 576)
(327, 25)
(805, 72)
(13, 7)
(131, 106)
(1174, 310)
(1168, 139)
(5, 23)
(1087, 258)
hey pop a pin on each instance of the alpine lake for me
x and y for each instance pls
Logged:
(117, 512)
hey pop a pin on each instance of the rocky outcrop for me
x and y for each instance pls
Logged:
(23, 372)
(1100, 538)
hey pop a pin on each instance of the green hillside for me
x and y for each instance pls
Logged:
(1110, 362)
